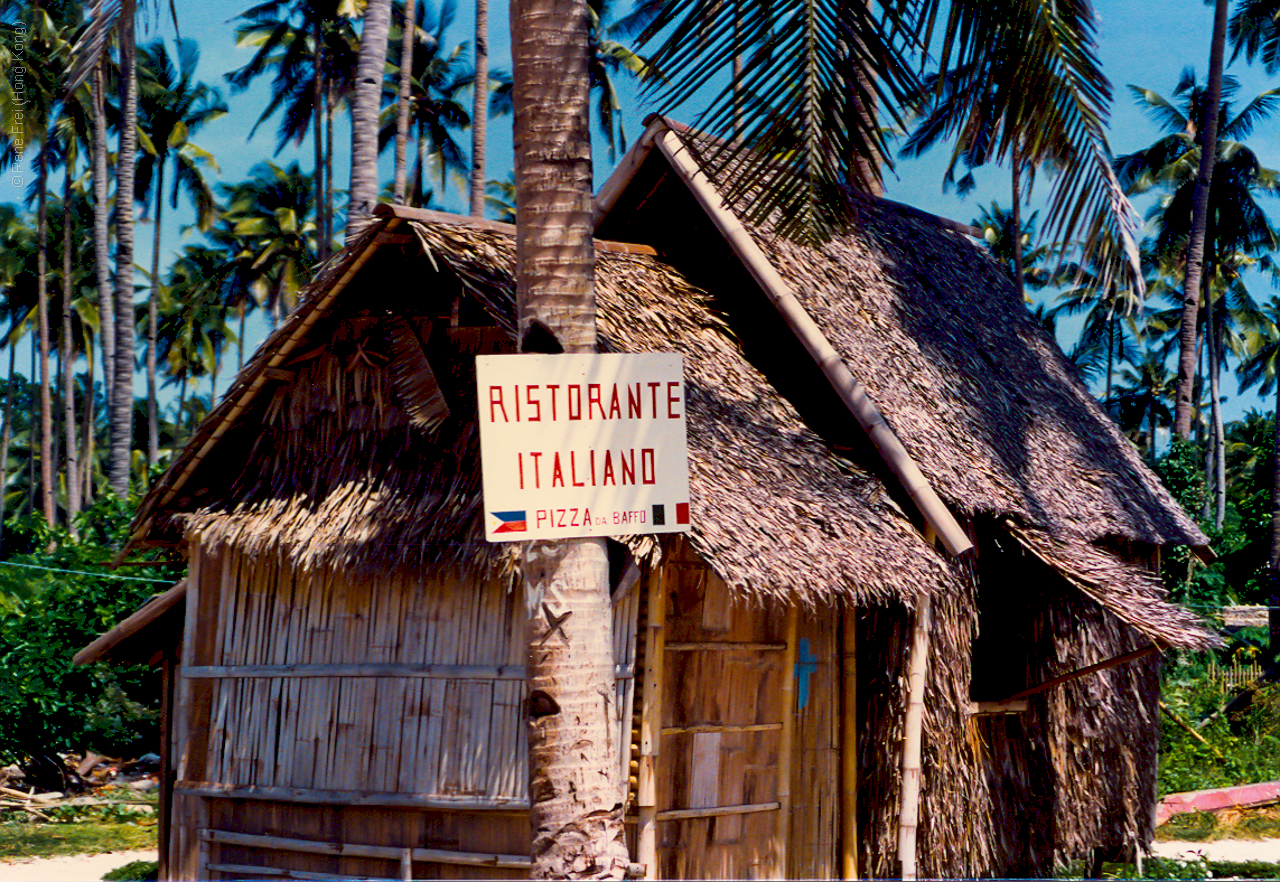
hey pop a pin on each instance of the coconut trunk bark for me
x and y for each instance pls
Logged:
(67, 361)
(122, 388)
(480, 110)
(576, 799)
(407, 35)
(42, 329)
(364, 115)
(1208, 138)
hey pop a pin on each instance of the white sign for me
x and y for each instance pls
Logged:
(582, 445)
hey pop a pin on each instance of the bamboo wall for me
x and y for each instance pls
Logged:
(327, 725)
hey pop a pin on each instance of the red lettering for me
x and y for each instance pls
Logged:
(615, 407)
(635, 409)
(537, 477)
(673, 400)
(608, 477)
(495, 401)
(575, 397)
(653, 395)
(534, 403)
(520, 465)
(557, 473)
(593, 398)
(648, 474)
(628, 466)
(540, 517)
(593, 468)
(573, 470)
(552, 387)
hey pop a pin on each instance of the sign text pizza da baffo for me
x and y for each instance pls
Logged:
(582, 445)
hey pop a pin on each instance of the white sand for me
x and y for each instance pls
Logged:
(1222, 850)
(72, 868)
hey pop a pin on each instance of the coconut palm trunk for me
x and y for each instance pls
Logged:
(317, 125)
(407, 39)
(1208, 138)
(153, 319)
(480, 110)
(364, 115)
(122, 388)
(101, 229)
(1273, 600)
(575, 798)
(67, 360)
(6, 435)
(42, 340)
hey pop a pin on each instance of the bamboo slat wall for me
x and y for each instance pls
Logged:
(379, 714)
(722, 719)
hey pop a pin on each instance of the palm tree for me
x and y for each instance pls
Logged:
(1008, 239)
(363, 192)
(1261, 367)
(815, 68)
(311, 48)
(1236, 228)
(17, 247)
(268, 236)
(480, 111)
(607, 57)
(173, 108)
(577, 823)
(1143, 397)
(438, 79)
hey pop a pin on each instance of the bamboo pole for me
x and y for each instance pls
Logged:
(917, 665)
(348, 849)
(849, 745)
(718, 811)
(651, 722)
(785, 759)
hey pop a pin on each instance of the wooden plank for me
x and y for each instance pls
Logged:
(785, 748)
(651, 723)
(704, 778)
(725, 646)
(386, 852)
(246, 871)
(311, 796)
(718, 811)
(702, 728)
(849, 744)
(360, 670)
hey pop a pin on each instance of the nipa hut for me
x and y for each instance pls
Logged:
(807, 685)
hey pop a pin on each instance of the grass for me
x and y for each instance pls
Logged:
(78, 829)
(1255, 823)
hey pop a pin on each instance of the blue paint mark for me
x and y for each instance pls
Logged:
(806, 667)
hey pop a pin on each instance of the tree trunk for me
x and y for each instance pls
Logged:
(1273, 601)
(90, 417)
(318, 106)
(1208, 138)
(480, 110)
(68, 361)
(6, 435)
(101, 231)
(329, 103)
(42, 340)
(576, 801)
(364, 115)
(1217, 477)
(1015, 219)
(153, 320)
(407, 39)
(122, 390)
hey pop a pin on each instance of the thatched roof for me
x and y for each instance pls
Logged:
(350, 438)
(980, 394)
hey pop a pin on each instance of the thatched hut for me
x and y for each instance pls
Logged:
(349, 690)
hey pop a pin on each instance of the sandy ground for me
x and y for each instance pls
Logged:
(1222, 850)
(73, 868)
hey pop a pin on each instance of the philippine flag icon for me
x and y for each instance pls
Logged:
(510, 522)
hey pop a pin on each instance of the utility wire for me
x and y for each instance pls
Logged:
(10, 563)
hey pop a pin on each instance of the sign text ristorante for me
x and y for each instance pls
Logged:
(582, 445)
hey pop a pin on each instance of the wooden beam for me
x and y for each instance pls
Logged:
(348, 849)
(849, 743)
(651, 721)
(310, 796)
(1085, 671)
(248, 871)
(786, 761)
(425, 672)
(725, 646)
(704, 728)
(718, 811)
(912, 736)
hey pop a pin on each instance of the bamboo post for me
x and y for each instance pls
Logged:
(406, 864)
(785, 761)
(651, 722)
(917, 665)
(849, 745)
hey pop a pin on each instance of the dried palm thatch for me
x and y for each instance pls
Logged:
(980, 393)
(361, 449)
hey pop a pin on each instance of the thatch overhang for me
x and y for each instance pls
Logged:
(979, 394)
(350, 437)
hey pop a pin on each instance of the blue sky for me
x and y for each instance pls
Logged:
(1143, 43)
